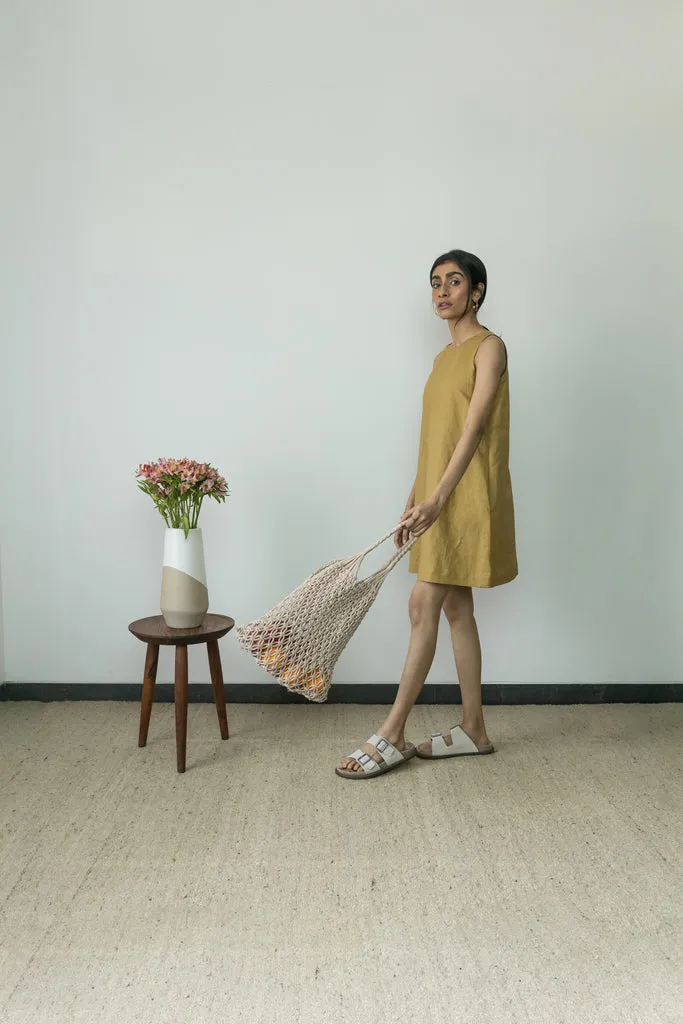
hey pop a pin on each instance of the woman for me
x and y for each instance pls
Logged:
(461, 510)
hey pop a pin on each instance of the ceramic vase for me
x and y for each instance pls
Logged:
(184, 596)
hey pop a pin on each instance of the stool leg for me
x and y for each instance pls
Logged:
(217, 683)
(148, 682)
(180, 697)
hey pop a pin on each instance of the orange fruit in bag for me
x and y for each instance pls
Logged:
(293, 676)
(272, 657)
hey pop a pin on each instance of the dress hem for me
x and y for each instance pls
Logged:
(498, 581)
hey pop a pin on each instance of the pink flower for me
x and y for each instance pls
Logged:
(169, 480)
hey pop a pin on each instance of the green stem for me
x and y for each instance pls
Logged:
(197, 510)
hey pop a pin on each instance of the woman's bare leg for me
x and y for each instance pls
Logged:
(426, 602)
(459, 610)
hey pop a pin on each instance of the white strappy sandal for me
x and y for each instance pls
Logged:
(462, 745)
(370, 769)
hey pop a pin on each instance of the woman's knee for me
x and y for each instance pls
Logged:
(426, 602)
(458, 604)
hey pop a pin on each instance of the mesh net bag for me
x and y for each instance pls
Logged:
(299, 641)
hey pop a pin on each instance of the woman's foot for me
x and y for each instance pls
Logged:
(370, 768)
(476, 733)
(395, 737)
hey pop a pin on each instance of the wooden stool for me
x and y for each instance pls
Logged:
(155, 633)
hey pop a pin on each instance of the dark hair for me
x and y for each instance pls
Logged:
(471, 266)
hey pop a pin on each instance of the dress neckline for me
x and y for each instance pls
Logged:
(456, 348)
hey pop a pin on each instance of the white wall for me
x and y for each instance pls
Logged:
(217, 229)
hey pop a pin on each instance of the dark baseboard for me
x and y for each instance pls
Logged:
(361, 693)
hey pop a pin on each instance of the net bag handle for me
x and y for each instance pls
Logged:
(393, 561)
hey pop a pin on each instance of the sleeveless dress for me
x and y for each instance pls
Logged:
(472, 543)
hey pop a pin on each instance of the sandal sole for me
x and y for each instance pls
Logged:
(465, 753)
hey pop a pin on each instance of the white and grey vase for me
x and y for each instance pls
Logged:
(184, 597)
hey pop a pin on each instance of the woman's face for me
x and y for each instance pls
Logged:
(449, 291)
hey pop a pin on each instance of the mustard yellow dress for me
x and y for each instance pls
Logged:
(472, 543)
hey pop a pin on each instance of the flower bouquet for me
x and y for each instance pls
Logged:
(178, 488)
